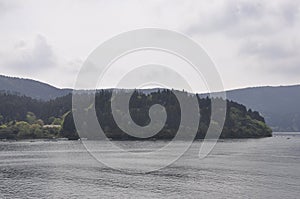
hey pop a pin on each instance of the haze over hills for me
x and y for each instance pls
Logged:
(280, 106)
(31, 88)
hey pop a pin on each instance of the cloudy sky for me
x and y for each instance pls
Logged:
(252, 43)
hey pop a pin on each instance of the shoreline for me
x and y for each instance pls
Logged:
(134, 140)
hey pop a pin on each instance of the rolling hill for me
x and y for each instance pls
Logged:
(280, 106)
(30, 88)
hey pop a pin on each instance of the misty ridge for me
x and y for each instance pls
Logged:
(278, 105)
(27, 117)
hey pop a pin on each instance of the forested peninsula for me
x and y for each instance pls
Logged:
(22, 117)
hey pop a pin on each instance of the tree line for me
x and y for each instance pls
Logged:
(22, 117)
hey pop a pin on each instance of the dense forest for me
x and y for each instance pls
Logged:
(22, 117)
(278, 105)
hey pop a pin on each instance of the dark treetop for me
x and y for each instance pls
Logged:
(23, 117)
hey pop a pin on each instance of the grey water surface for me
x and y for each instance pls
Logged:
(241, 168)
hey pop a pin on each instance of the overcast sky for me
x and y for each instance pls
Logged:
(252, 43)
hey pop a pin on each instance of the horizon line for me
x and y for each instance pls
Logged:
(225, 90)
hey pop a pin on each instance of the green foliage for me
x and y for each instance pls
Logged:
(3, 126)
(36, 130)
(39, 122)
(68, 127)
(30, 114)
(50, 120)
(239, 123)
(30, 129)
(57, 121)
(13, 107)
(23, 129)
(244, 124)
(30, 117)
(1, 119)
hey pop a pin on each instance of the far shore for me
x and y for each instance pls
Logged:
(141, 140)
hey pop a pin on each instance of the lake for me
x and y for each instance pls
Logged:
(248, 168)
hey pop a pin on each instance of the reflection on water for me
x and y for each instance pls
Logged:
(252, 168)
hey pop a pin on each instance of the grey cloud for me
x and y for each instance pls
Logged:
(241, 18)
(287, 67)
(270, 49)
(20, 44)
(2, 6)
(264, 32)
(290, 12)
(226, 16)
(31, 59)
(238, 34)
(271, 56)
(6, 6)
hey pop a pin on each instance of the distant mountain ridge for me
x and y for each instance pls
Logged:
(280, 106)
(31, 88)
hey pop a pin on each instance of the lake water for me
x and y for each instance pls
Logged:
(249, 168)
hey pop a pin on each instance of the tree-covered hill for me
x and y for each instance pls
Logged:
(24, 117)
(30, 88)
(280, 106)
